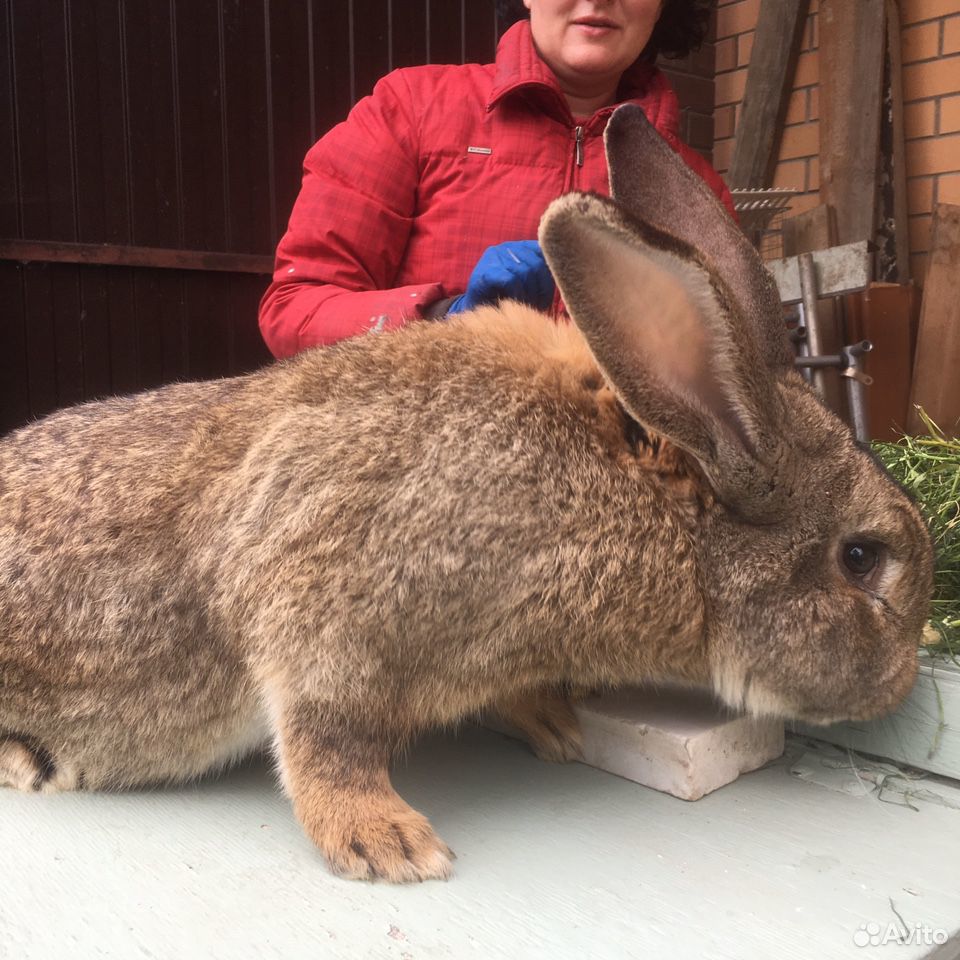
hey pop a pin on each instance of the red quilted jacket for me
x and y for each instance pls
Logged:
(440, 162)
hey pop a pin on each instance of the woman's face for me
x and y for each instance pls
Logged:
(591, 41)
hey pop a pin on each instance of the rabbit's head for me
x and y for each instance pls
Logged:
(816, 567)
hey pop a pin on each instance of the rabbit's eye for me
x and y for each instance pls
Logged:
(860, 559)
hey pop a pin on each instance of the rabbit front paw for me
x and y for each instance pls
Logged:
(337, 774)
(379, 837)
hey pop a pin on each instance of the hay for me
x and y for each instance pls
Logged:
(929, 467)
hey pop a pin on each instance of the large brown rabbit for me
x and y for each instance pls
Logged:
(366, 541)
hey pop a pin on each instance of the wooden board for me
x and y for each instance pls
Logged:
(936, 370)
(886, 314)
(772, 63)
(814, 229)
(852, 43)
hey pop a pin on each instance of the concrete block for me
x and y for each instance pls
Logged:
(678, 740)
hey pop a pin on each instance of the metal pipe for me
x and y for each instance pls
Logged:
(811, 321)
(850, 364)
(827, 360)
(856, 381)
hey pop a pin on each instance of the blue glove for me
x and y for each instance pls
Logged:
(514, 270)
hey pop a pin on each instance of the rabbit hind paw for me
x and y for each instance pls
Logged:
(27, 765)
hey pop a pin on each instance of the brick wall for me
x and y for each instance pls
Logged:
(930, 44)
(692, 78)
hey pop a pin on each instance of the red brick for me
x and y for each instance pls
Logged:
(791, 174)
(808, 70)
(726, 54)
(920, 119)
(950, 117)
(933, 155)
(737, 18)
(722, 154)
(931, 79)
(951, 35)
(729, 87)
(723, 120)
(948, 188)
(744, 48)
(918, 267)
(920, 42)
(913, 11)
(796, 107)
(811, 33)
(920, 233)
(920, 194)
(802, 140)
(803, 203)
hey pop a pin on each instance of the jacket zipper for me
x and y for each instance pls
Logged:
(578, 147)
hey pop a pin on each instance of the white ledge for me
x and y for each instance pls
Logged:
(554, 862)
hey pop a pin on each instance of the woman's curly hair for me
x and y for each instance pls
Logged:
(682, 26)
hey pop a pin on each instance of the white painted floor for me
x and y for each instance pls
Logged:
(554, 862)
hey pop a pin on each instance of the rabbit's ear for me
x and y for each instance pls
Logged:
(651, 182)
(670, 341)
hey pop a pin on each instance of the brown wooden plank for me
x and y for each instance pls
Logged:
(249, 350)
(14, 382)
(38, 45)
(10, 194)
(41, 339)
(852, 41)
(98, 297)
(814, 229)
(885, 314)
(408, 33)
(446, 38)
(203, 164)
(371, 44)
(291, 68)
(248, 170)
(102, 198)
(936, 370)
(772, 65)
(151, 123)
(480, 33)
(107, 254)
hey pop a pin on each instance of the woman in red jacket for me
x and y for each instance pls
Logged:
(426, 200)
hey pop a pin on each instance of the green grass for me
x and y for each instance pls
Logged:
(929, 467)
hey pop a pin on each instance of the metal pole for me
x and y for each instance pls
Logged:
(850, 365)
(856, 380)
(811, 321)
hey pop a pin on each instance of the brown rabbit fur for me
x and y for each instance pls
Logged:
(364, 542)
